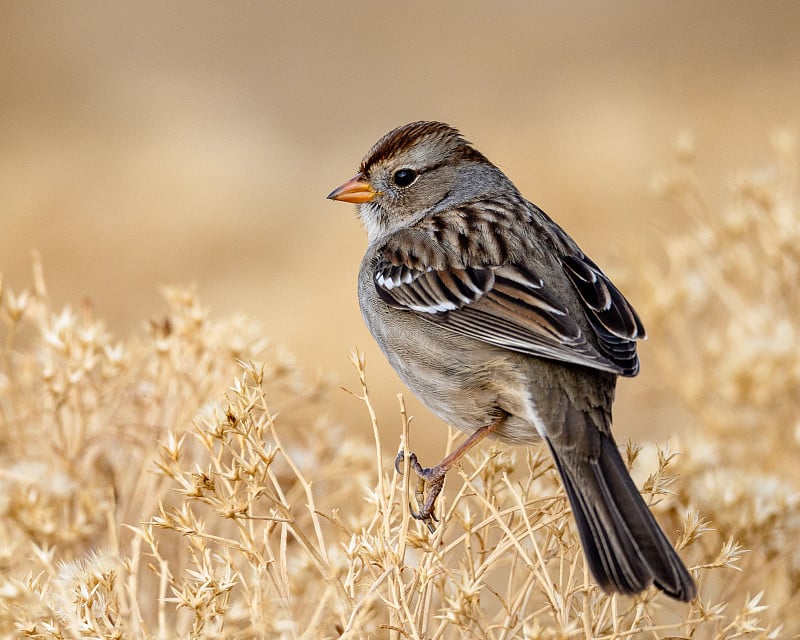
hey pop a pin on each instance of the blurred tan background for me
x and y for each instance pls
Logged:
(149, 142)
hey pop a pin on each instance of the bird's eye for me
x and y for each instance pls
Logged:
(404, 177)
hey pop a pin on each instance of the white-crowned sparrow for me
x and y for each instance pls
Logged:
(502, 326)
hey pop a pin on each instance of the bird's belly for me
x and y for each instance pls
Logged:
(465, 382)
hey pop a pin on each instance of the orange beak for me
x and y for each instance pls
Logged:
(356, 190)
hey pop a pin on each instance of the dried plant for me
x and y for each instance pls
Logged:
(180, 484)
(726, 308)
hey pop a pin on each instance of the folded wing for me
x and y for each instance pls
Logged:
(511, 306)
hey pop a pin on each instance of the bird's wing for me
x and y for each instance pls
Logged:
(512, 306)
(613, 319)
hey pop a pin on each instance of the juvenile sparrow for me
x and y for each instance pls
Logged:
(503, 327)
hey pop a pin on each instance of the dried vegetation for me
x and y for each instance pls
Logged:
(181, 484)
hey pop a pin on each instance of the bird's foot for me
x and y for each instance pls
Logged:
(430, 477)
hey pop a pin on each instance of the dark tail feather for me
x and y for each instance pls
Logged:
(625, 548)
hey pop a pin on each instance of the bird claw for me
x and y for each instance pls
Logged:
(413, 463)
(433, 478)
(398, 462)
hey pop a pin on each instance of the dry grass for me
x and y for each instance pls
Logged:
(182, 484)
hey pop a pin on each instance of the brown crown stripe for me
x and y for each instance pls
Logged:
(402, 138)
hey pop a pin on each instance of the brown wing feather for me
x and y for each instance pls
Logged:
(507, 306)
(506, 303)
(615, 322)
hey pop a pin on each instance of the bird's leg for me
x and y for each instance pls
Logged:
(433, 477)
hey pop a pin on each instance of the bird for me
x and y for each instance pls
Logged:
(504, 328)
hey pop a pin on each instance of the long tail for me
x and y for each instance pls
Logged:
(625, 548)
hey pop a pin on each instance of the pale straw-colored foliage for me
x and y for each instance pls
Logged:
(181, 483)
(726, 308)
